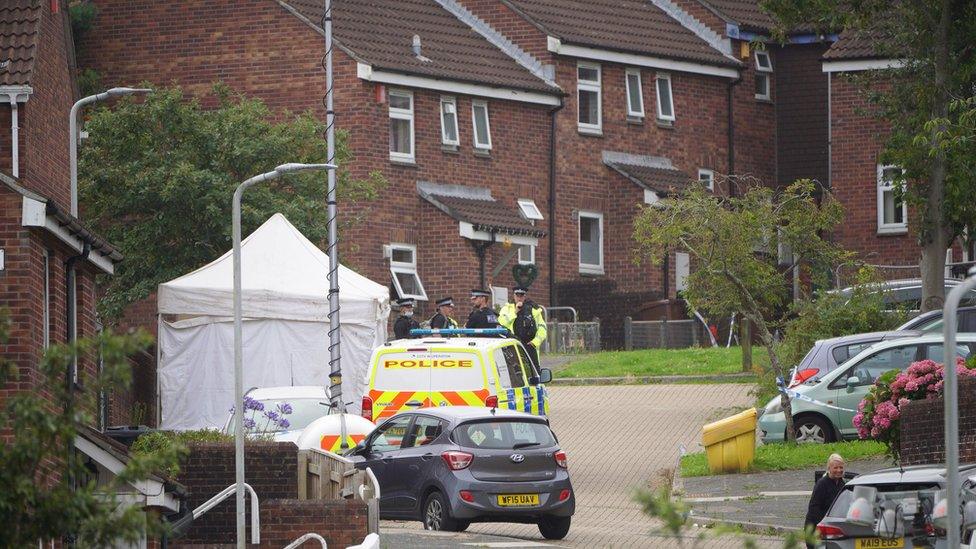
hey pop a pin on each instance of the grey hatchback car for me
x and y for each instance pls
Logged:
(454, 465)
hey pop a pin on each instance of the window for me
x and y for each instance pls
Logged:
(508, 367)
(403, 267)
(682, 268)
(391, 435)
(47, 300)
(589, 117)
(868, 370)
(707, 177)
(529, 209)
(482, 130)
(401, 126)
(526, 254)
(892, 210)
(591, 243)
(449, 124)
(665, 105)
(635, 97)
(764, 69)
(843, 353)
(425, 430)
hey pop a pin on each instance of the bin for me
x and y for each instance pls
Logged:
(730, 443)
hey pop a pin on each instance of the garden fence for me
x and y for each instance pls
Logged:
(663, 334)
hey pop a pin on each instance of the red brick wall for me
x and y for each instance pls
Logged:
(504, 19)
(923, 428)
(857, 138)
(703, 14)
(801, 124)
(755, 120)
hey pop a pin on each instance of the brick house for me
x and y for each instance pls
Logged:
(41, 243)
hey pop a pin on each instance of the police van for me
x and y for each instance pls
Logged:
(434, 370)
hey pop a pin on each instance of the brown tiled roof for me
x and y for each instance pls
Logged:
(634, 26)
(380, 33)
(19, 22)
(854, 46)
(664, 181)
(485, 214)
(746, 13)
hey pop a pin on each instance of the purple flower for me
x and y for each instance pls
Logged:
(284, 408)
(284, 424)
(231, 409)
(272, 415)
(248, 423)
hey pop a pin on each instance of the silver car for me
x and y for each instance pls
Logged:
(915, 486)
(827, 354)
(454, 465)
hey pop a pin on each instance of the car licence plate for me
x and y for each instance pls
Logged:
(874, 543)
(518, 500)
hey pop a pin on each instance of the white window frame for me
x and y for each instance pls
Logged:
(530, 260)
(764, 72)
(448, 100)
(589, 268)
(405, 267)
(403, 114)
(590, 86)
(46, 338)
(474, 124)
(640, 93)
(529, 209)
(658, 79)
(705, 174)
(889, 228)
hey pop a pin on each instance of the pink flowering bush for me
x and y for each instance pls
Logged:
(878, 416)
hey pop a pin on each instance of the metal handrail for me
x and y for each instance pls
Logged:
(226, 493)
(305, 538)
(560, 308)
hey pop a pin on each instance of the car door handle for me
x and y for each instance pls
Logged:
(414, 403)
(387, 460)
(427, 456)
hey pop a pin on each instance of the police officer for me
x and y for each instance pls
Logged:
(482, 316)
(443, 319)
(405, 322)
(509, 313)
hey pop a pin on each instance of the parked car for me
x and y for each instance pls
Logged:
(838, 393)
(827, 354)
(906, 294)
(459, 371)
(454, 465)
(914, 487)
(932, 321)
(307, 402)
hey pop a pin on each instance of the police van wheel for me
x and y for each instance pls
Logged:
(437, 514)
(554, 527)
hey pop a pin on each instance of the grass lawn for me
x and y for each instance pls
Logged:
(657, 362)
(781, 457)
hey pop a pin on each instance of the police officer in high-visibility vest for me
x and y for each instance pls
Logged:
(483, 316)
(405, 322)
(524, 319)
(443, 320)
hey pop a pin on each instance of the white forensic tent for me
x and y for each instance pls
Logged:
(285, 287)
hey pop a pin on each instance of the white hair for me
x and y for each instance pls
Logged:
(835, 458)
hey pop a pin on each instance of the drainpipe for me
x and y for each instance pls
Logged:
(731, 134)
(14, 137)
(552, 202)
(71, 305)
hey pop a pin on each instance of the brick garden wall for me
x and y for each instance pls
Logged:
(923, 428)
(271, 469)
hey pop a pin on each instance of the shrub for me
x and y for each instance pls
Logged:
(157, 442)
(879, 414)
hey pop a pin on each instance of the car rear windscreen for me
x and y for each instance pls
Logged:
(501, 434)
(922, 493)
(429, 371)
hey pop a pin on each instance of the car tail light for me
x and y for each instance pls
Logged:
(560, 458)
(492, 401)
(466, 495)
(367, 408)
(564, 495)
(457, 460)
(804, 375)
(830, 532)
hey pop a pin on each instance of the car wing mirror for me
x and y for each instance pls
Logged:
(545, 375)
(853, 382)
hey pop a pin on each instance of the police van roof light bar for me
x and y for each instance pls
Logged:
(458, 331)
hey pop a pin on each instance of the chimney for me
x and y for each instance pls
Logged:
(416, 45)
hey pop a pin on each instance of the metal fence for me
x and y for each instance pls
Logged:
(572, 337)
(661, 334)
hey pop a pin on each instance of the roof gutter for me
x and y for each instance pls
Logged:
(555, 45)
(16, 95)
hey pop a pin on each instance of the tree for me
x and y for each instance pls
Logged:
(43, 494)
(156, 179)
(733, 243)
(928, 103)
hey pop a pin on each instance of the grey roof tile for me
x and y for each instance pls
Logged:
(19, 28)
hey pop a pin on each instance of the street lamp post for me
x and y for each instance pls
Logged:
(238, 341)
(73, 133)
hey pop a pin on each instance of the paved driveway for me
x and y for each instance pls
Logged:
(617, 438)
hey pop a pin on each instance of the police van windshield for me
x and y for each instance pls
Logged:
(429, 371)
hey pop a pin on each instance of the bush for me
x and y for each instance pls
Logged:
(879, 414)
(163, 441)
